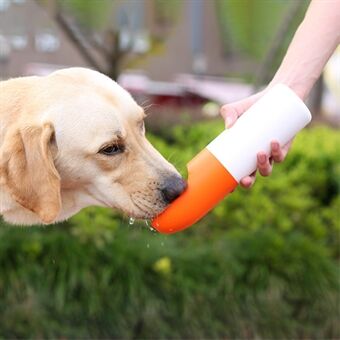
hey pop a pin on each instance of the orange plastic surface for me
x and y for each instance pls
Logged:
(208, 183)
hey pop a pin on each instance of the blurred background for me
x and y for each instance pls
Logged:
(263, 264)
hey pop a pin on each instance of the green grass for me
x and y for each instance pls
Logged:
(263, 264)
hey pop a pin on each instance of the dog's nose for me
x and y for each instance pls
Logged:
(173, 187)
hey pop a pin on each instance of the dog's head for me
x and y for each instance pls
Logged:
(80, 141)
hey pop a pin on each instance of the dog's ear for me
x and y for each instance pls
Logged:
(27, 169)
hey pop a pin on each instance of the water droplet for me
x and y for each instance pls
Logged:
(131, 221)
(148, 245)
(147, 223)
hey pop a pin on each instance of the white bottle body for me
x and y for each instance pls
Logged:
(279, 115)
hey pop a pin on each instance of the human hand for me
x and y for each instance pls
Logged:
(230, 113)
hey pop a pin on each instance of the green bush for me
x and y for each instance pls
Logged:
(263, 264)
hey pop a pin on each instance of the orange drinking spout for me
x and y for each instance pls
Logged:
(208, 183)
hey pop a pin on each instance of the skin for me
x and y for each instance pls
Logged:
(54, 131)
(313, 44)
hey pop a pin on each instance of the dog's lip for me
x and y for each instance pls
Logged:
(137, 216)
(142, 217)
(143, 214)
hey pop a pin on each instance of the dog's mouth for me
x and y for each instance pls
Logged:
(146, 208)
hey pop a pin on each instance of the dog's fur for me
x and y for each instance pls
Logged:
(52, 131)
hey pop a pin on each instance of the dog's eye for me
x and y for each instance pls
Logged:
(112, 150)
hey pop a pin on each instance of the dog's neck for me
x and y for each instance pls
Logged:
(14, 213)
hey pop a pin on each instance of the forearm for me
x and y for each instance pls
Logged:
(314, 42)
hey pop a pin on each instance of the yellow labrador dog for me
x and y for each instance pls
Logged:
(73, 139)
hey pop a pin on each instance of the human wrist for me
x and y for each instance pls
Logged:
(301, 90)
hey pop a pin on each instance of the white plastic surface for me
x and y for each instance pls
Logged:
(279, 115)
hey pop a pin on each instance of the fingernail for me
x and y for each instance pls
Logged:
(262, 158)
(275, 146)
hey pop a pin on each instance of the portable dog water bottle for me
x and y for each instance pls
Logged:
(217, 169)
